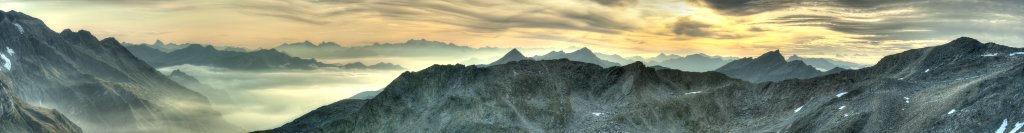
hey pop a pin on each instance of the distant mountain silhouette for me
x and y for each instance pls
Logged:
(511, 56)
(412, 48)
(826, 63)
(771, 66)
(696, 62)
(265, 59)
(581, 55)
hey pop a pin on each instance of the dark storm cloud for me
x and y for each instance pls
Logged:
(688, 27)
(927, 20)
(473, 14)
(931, 20)
(750, 7)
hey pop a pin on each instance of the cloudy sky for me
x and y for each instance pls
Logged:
(855, 30)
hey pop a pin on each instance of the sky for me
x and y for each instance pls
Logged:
(861, 31)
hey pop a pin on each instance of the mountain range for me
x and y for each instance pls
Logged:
(825, 64)
(771, 66)
(581, 55)
(413, 48)
(960, 86)
(97, 84)
(264, 59)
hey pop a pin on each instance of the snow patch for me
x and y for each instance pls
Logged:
(1002, 128)
(597, 114)
(906, 99)
(695, 92)
(1016, 127)
(927, 70)
(901, 78)
(951, 111)
(20, 29)
(846, 115)
(798, 109)
(7, 61)
(990, 54)
(841, 94)
(842, 107)
(1016, 53)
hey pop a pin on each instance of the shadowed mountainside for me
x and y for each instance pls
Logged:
(97, 84)
(962, 86)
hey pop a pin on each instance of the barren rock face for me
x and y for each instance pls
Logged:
(948, 88)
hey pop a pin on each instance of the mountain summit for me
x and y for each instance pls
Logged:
(513, 55)
(770, 66)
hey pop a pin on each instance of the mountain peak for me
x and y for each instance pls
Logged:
(513, 55)
(584, 50)
(965, 40)
(772, 56)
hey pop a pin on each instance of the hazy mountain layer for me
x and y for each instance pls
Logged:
(825, 63)
(770, 66)
(97, 84)
(16, 116)
(266, 59)
(410, 48)
(695, 62)
(962, 86)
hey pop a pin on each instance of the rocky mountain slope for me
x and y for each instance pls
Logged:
(962, 86)
(16, 116)
(771, 66)
(97, 84)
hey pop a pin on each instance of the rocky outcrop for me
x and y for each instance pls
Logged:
(16, 116)
(96, 83)
(962, 86)
(771, 66)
